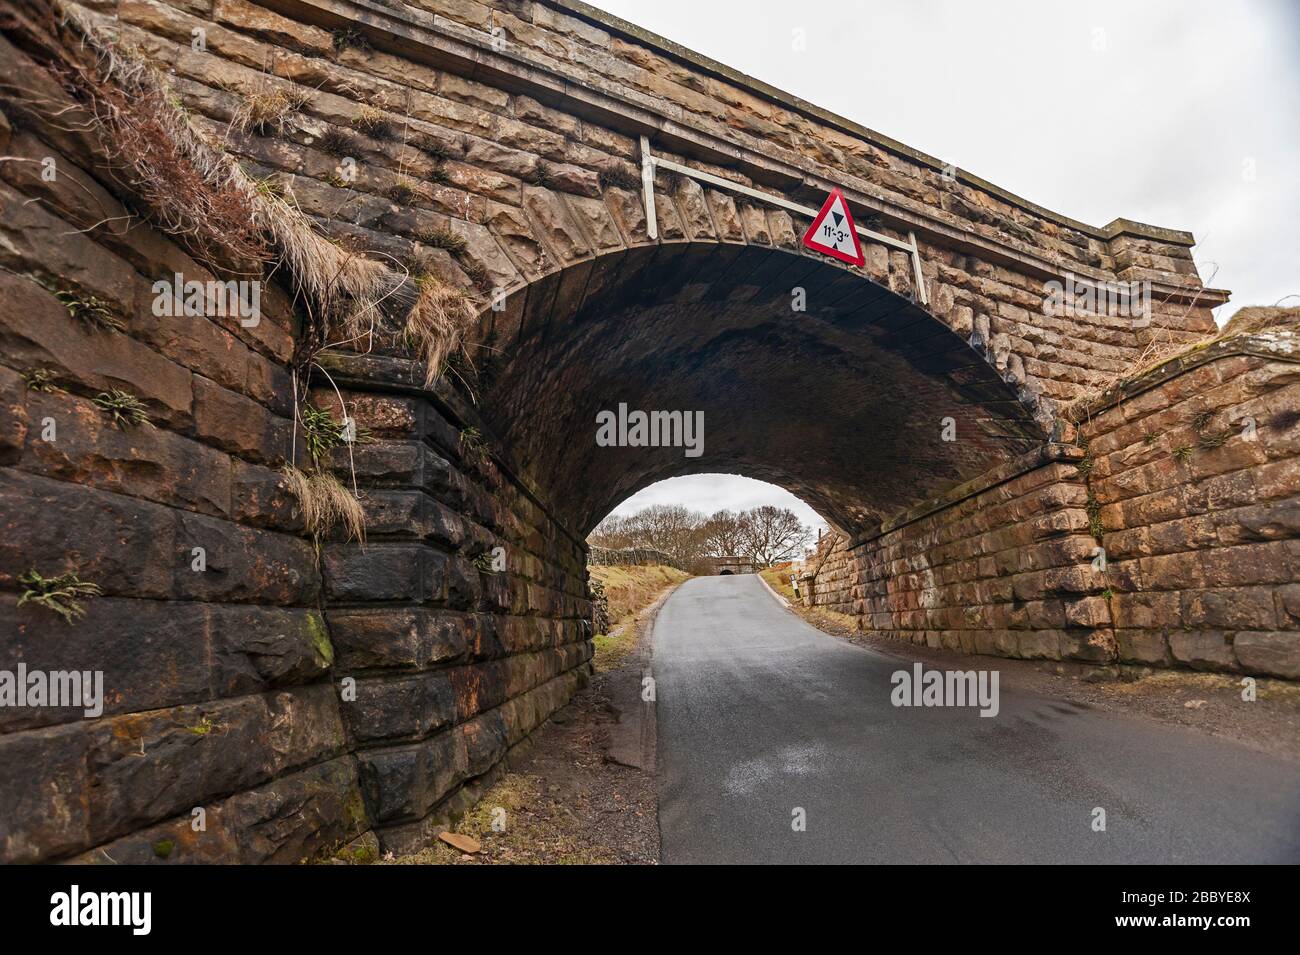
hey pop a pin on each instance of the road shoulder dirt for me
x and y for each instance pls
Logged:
(581, 789)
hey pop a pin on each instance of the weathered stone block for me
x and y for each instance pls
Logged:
(136, 548)
(239, 425)
(1275, 652)
(1202, 649)
(405, 637)
(405, 782)
(155, 654)
(385, 571)
(145, 462)
(44, 793)
(485, 741)
(36, 330)
(292, 819)
(1143, 646)
(401, 707)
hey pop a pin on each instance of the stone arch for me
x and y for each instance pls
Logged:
(452, 660)
(862, 404)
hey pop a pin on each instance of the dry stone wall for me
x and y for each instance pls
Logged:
(630, 557)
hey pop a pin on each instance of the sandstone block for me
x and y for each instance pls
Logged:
(1274, 653)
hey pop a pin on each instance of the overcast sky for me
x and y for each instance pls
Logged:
(1181, 114)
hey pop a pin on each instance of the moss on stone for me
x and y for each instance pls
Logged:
(320, 638)
(362, 854)
(354, 811)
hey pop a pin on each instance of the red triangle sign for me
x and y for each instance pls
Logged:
(833, 233)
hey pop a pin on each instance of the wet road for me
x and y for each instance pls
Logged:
(761, 716)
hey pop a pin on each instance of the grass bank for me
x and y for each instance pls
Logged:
(629, 590)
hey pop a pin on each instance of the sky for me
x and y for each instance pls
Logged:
(713, 492)
(1177, 113)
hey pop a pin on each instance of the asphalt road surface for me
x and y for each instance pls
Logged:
(760, 715)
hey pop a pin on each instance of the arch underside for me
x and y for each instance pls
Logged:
(842, 404)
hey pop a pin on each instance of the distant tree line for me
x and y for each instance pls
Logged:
(762, 535)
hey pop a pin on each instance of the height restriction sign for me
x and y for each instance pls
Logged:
(833, 233)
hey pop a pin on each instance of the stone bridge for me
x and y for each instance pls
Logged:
(622, 219)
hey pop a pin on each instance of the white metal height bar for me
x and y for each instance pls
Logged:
(649, 162)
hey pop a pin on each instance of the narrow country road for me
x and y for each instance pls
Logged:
(759, 714)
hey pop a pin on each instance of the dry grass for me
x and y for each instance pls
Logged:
(375, 124)
(453, 242)
(1246, 321)
(421, 262)
(517, 822)
(191, 190)
(405, 189)
(476, 272)
(199, 194)
(1258, 319)
(267, 112)
(827, 621)
(1155, 354)
(1229, 685)
(629, 591)
(338, 142)
(435, 323)
(325, 503)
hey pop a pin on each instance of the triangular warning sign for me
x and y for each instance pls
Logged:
(833, 233)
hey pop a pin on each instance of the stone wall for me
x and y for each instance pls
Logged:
(297, 703)
(533, 110)
(463, 618)
(1187, 476)
(1196, 490)
(1000, 566)
(301, 700)
(631, 557)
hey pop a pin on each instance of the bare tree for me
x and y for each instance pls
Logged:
(773, 534)
(764, 535)
(724, 534)
(670, 528)
(612, 533)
